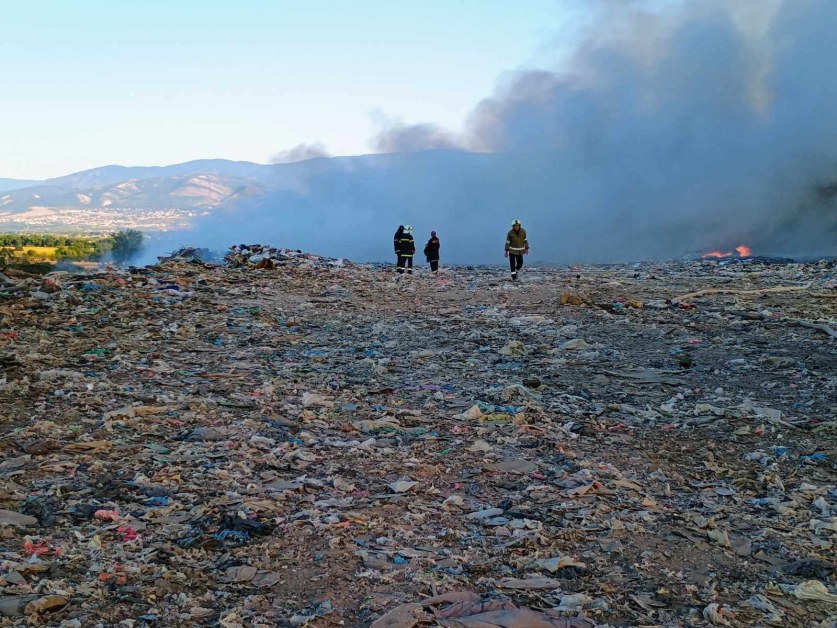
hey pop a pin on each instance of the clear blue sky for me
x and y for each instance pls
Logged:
(97, 82)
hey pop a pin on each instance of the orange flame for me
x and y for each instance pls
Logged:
(742, 250)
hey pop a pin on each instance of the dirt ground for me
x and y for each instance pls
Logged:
(320, 444)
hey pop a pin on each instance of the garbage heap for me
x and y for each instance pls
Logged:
(328, 444)
(192, 254)
(264, 257)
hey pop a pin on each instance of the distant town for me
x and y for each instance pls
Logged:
(98, 220)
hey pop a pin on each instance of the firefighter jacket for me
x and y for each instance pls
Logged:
(516, 241)
(406, 245)
(431, 250)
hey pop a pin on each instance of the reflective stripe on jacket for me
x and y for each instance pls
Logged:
(406, 246)
(516, 241)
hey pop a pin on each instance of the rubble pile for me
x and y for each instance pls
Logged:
(15, 283)
(268, 258)
(325, 444)
(193, 254)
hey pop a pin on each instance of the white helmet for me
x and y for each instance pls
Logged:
(515, 222)
(408, 229)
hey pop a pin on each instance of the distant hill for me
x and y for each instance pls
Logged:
(198, 185)
(116, 197)
(197, 191)
(112, 175)
(14, 184)
(87, 200)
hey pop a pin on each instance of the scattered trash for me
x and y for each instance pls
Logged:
(577, 344)
(514, 348)
(570, 299)
(11, 518)
(811, 590)
(16, 606)
(530, 583)
(288, 439)
(402, 486)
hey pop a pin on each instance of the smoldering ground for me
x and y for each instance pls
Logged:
(670, 131)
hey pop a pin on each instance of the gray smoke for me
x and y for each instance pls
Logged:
(300, 152)
(411, 138)
(703, 125)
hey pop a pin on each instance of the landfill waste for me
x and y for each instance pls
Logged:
(293, 440)
(194, 255)
(267, 258)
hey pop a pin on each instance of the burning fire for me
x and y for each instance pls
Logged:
(740, 251)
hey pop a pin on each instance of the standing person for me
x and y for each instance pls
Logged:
(516, 247)
(406, 250)
(431, 251)
(397, 242)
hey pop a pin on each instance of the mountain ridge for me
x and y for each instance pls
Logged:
(158, 199)
(7, 185)
(114, 173)
(107, 174)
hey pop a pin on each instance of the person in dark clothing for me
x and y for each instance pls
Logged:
(431, 251)
(406, 250)
(397, 240)
(517, 245)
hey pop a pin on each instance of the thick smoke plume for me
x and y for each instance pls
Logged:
(670, 132)
(412, 138)
(300, 152)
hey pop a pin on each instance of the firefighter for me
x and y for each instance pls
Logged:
(431, 251)
(397, 239)
(406, 250)
(516, 247)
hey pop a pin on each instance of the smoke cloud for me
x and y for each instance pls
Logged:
(300, 152)
(671, 131)
(411, 138)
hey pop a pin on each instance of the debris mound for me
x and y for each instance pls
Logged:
(260, 256)
(192, 254)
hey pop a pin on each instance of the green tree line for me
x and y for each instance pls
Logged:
(120, 246)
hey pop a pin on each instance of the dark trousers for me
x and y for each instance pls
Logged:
(434, 265)
(405, 261)
(515, 263)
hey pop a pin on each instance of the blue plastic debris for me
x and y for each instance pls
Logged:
(814, 458)
(232, 536)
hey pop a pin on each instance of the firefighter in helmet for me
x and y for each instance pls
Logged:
(516, 247)
(406, 250)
